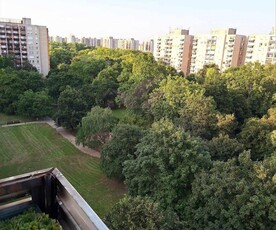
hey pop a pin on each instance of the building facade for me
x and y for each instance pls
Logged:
(261, 48)
(128, 44)
(174, 49)
(147, 46)
(26, 42)
(221, 47)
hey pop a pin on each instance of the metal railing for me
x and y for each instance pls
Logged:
(52, 193)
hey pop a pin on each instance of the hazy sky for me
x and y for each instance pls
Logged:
(142, 19)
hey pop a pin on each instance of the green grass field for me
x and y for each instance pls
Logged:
(37, 146)
(4, 118)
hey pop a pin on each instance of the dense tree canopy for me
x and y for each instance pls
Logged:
(34, 104)
(237, 194)
(140, 213)
(166, 161)
(119, 149)
(193, 157)
(71, 107)
(96, 126)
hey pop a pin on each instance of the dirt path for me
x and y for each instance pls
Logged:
(63, 132)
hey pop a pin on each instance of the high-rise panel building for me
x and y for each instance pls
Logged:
(109, 42)
(174, 49)
(147, 46)
(222, 47)
(261, 48)
(26, 42)
(128, 44)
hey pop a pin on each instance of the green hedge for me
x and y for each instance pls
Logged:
(30, 220)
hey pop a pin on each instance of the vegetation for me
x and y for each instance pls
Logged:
(140, 213)
(30, 219)
(198, 130)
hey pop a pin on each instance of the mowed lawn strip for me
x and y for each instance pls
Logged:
(37, 146)
(4, 118)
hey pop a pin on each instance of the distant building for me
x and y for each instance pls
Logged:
(174, 49)
(221, 47)
(147, 46)
(57, 39)
(109, 42)
(128, 44)
(26, 42)
(261, 48)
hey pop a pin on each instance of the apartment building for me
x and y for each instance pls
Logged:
(57, 39)
(147, 46)
(222, 47)
(174, 49)
(128, 44)
(90, 41)
(261, 48)
(109, 42)
(26, 42)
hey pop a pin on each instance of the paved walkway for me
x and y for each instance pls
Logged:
(63, 132)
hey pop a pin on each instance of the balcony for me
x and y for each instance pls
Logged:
(49, 191)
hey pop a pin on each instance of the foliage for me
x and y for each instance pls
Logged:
(227, 124)
(199, 116)
(223, 148)
(139, 213)
(254, 84)
(13, 83)
(71, 108)
(30, 219)
(34, 104)
(119, 149)
(256, 135)
(237, 194)
(166, 160)
(96, 126)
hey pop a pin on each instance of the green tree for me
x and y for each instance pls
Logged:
(223, 148)
(119, 149)
(199, 116)
(105, 87)
(256, 135)
(13, 83)
(138, 213)
(170, 97)
(165, 164)
(253, 84)
(237, 194)
(96, 126)
(34, 104)
(227, 124)
(59, 56)
(71, 108)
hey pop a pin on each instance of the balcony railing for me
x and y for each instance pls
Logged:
(50, 191)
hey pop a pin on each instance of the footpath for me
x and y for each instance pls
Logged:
(63, 132)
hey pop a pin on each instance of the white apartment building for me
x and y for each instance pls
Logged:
(174, 49)
(221, 47)
(90, 41)
(261, 48)
(128, 44)
(25, 41)
(147, 46)
(109, 42)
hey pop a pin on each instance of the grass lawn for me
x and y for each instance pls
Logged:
(4, 118)
(37, 146)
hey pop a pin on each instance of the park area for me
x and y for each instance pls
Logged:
(33, 147)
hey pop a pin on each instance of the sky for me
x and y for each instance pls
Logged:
(142, 19)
